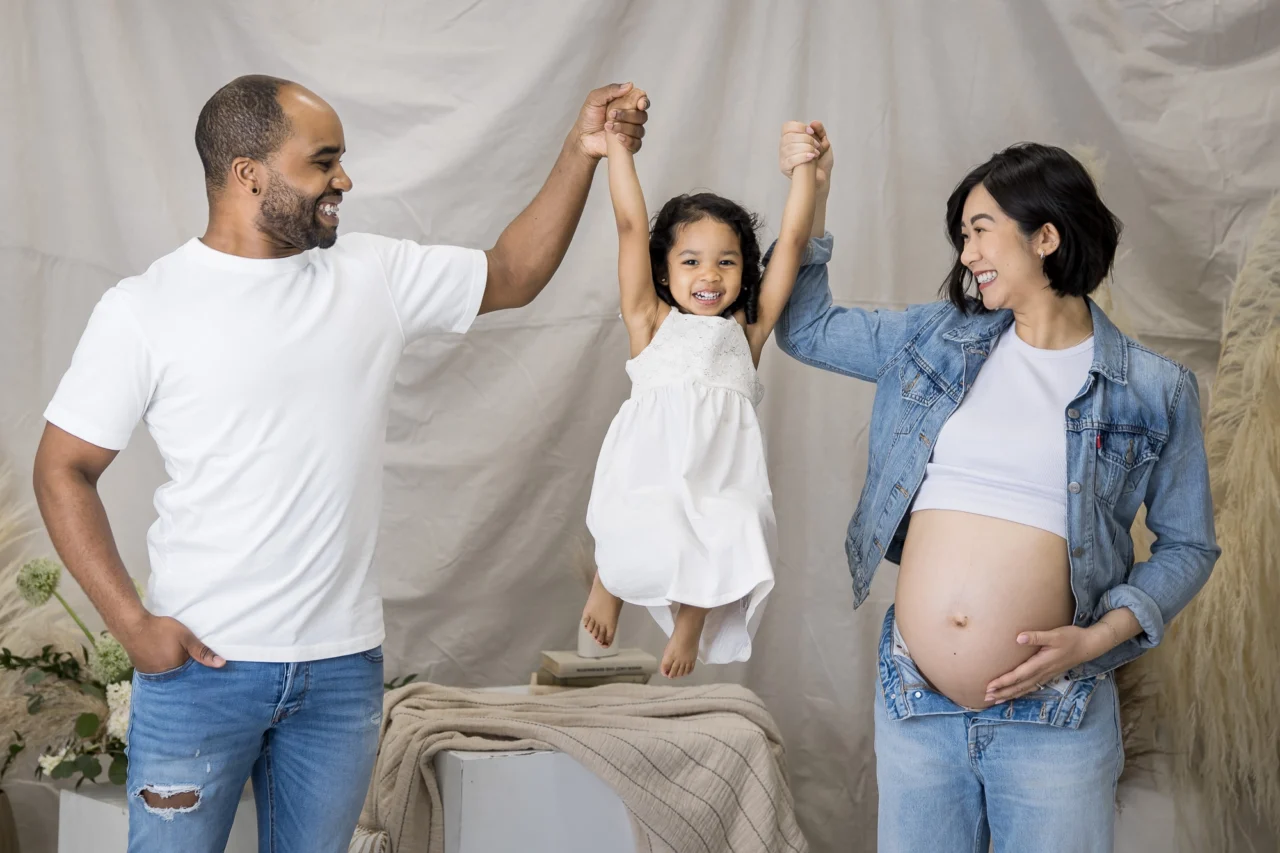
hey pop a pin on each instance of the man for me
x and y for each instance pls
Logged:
(261, 357)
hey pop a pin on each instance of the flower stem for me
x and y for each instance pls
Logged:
(92, 641)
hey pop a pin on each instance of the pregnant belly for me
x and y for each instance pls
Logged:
(968, 585)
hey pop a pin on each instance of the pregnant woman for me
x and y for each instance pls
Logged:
(1014, 435)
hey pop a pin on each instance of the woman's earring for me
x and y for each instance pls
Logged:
(1042, 254)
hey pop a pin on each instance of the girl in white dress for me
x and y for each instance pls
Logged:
(681, 509)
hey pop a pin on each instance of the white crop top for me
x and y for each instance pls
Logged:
(1003, 453)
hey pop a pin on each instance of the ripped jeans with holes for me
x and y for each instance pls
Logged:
(304, 733)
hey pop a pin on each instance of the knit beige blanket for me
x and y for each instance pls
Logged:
(700, 769)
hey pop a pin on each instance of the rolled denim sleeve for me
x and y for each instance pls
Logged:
(1180, 514)
(852, 341)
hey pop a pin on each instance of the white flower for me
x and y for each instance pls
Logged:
(50, 761)
(118, 698)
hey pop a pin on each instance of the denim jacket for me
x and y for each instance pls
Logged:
(1133, 437)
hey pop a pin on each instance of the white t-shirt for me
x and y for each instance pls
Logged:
(1003, 452)
(265, 385)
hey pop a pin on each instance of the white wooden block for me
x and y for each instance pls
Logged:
(534, 802)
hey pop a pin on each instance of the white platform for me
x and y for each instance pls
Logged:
(532, 802)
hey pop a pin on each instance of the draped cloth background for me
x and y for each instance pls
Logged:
(454, 112)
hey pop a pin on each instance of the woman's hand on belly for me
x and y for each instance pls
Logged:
(1058, 651)
(1062, 649)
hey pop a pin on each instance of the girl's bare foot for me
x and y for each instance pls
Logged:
(600, 616)
(682, 649)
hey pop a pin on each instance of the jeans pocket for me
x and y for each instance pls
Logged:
(167, 674)
(373, 655)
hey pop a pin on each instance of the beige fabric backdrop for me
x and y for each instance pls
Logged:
(454, 112)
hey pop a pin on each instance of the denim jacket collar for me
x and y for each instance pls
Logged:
(1110, 354)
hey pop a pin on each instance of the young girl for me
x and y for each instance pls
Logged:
(681, 508)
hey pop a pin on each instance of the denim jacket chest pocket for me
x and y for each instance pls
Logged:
(918, 389)
(1125, 456)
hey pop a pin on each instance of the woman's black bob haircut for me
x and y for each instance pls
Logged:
(1037, 184)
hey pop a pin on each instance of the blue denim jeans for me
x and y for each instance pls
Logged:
(1038, 773)
(306, 733)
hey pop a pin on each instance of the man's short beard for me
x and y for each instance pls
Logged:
(290, 216)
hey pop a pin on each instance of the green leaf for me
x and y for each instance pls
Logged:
(87, 725)
(33, 677)
(89, 766)
(63, 770)
(15, 747)
(93, 690)
(34, 701)
(119, 771)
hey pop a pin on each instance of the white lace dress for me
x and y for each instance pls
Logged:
(681, 508)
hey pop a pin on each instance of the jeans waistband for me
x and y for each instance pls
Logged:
(907, 693)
